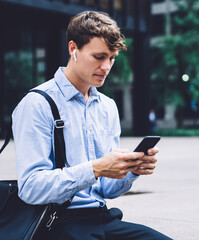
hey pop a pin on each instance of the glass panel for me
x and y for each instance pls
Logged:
(75, 1)
(18, 77)
(158, 25)
(90, 3)
(105, 4)
(40, 55)
(25, 68)
(118, 4)
(158, 1)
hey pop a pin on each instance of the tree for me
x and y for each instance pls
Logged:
(121, 74)
(176, 59)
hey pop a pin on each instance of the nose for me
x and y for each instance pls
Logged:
(106, 65)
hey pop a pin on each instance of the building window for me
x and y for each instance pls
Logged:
(158, 25)
(118, 4)
(40, 62)
(158, 1)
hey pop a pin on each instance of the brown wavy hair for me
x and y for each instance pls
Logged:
(89, 24)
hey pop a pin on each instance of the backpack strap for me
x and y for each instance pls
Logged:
(60, 152)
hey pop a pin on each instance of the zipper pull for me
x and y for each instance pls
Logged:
(51, 220)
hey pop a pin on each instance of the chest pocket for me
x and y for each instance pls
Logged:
(103, 142)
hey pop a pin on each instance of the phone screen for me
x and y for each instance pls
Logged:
(147, 143)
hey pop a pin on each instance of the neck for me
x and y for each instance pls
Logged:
(73, 78)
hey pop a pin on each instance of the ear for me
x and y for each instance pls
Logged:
(71, 47)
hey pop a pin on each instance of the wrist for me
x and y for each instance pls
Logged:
(96, 168)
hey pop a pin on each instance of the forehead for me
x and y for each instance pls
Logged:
(98, 45)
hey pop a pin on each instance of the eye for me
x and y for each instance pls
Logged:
(99, 57)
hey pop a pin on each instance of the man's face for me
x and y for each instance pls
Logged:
(94, 62)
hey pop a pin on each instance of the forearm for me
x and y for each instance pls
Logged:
(56, 185)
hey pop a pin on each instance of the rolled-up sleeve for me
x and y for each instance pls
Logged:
(38, 181)
(113, 188)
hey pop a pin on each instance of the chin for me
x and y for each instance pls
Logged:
(99, 83)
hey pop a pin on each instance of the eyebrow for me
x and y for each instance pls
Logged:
(104, 53)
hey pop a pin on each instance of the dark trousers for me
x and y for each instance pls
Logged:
(98, 224)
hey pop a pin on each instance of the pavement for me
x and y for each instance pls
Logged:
(167, 201)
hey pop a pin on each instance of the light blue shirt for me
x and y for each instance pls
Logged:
(91, 130)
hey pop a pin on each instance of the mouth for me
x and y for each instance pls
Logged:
(100, 76)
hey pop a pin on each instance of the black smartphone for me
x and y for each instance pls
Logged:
(147, 143)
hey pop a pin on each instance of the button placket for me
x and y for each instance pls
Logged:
(90, 136)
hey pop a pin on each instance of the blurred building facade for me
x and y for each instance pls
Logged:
(32, 46)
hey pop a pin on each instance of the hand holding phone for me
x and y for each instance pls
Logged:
(147, 143)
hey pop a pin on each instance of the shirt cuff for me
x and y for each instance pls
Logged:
(130, 177)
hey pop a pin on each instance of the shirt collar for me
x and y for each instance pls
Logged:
(94, 94)
(67, 88)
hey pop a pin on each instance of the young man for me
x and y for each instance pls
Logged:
(99, 169)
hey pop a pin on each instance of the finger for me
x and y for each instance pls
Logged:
(133, 155)
(147, 166)
(143, 171)
(134, 163)
(149, 159)
(122, 150)
(134, 171)
(142, 167)
(153, 151)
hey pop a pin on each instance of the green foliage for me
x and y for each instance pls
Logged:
(121, 72)
(178, 132)
(177, 54)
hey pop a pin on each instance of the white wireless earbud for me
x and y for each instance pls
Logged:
(74, 55)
